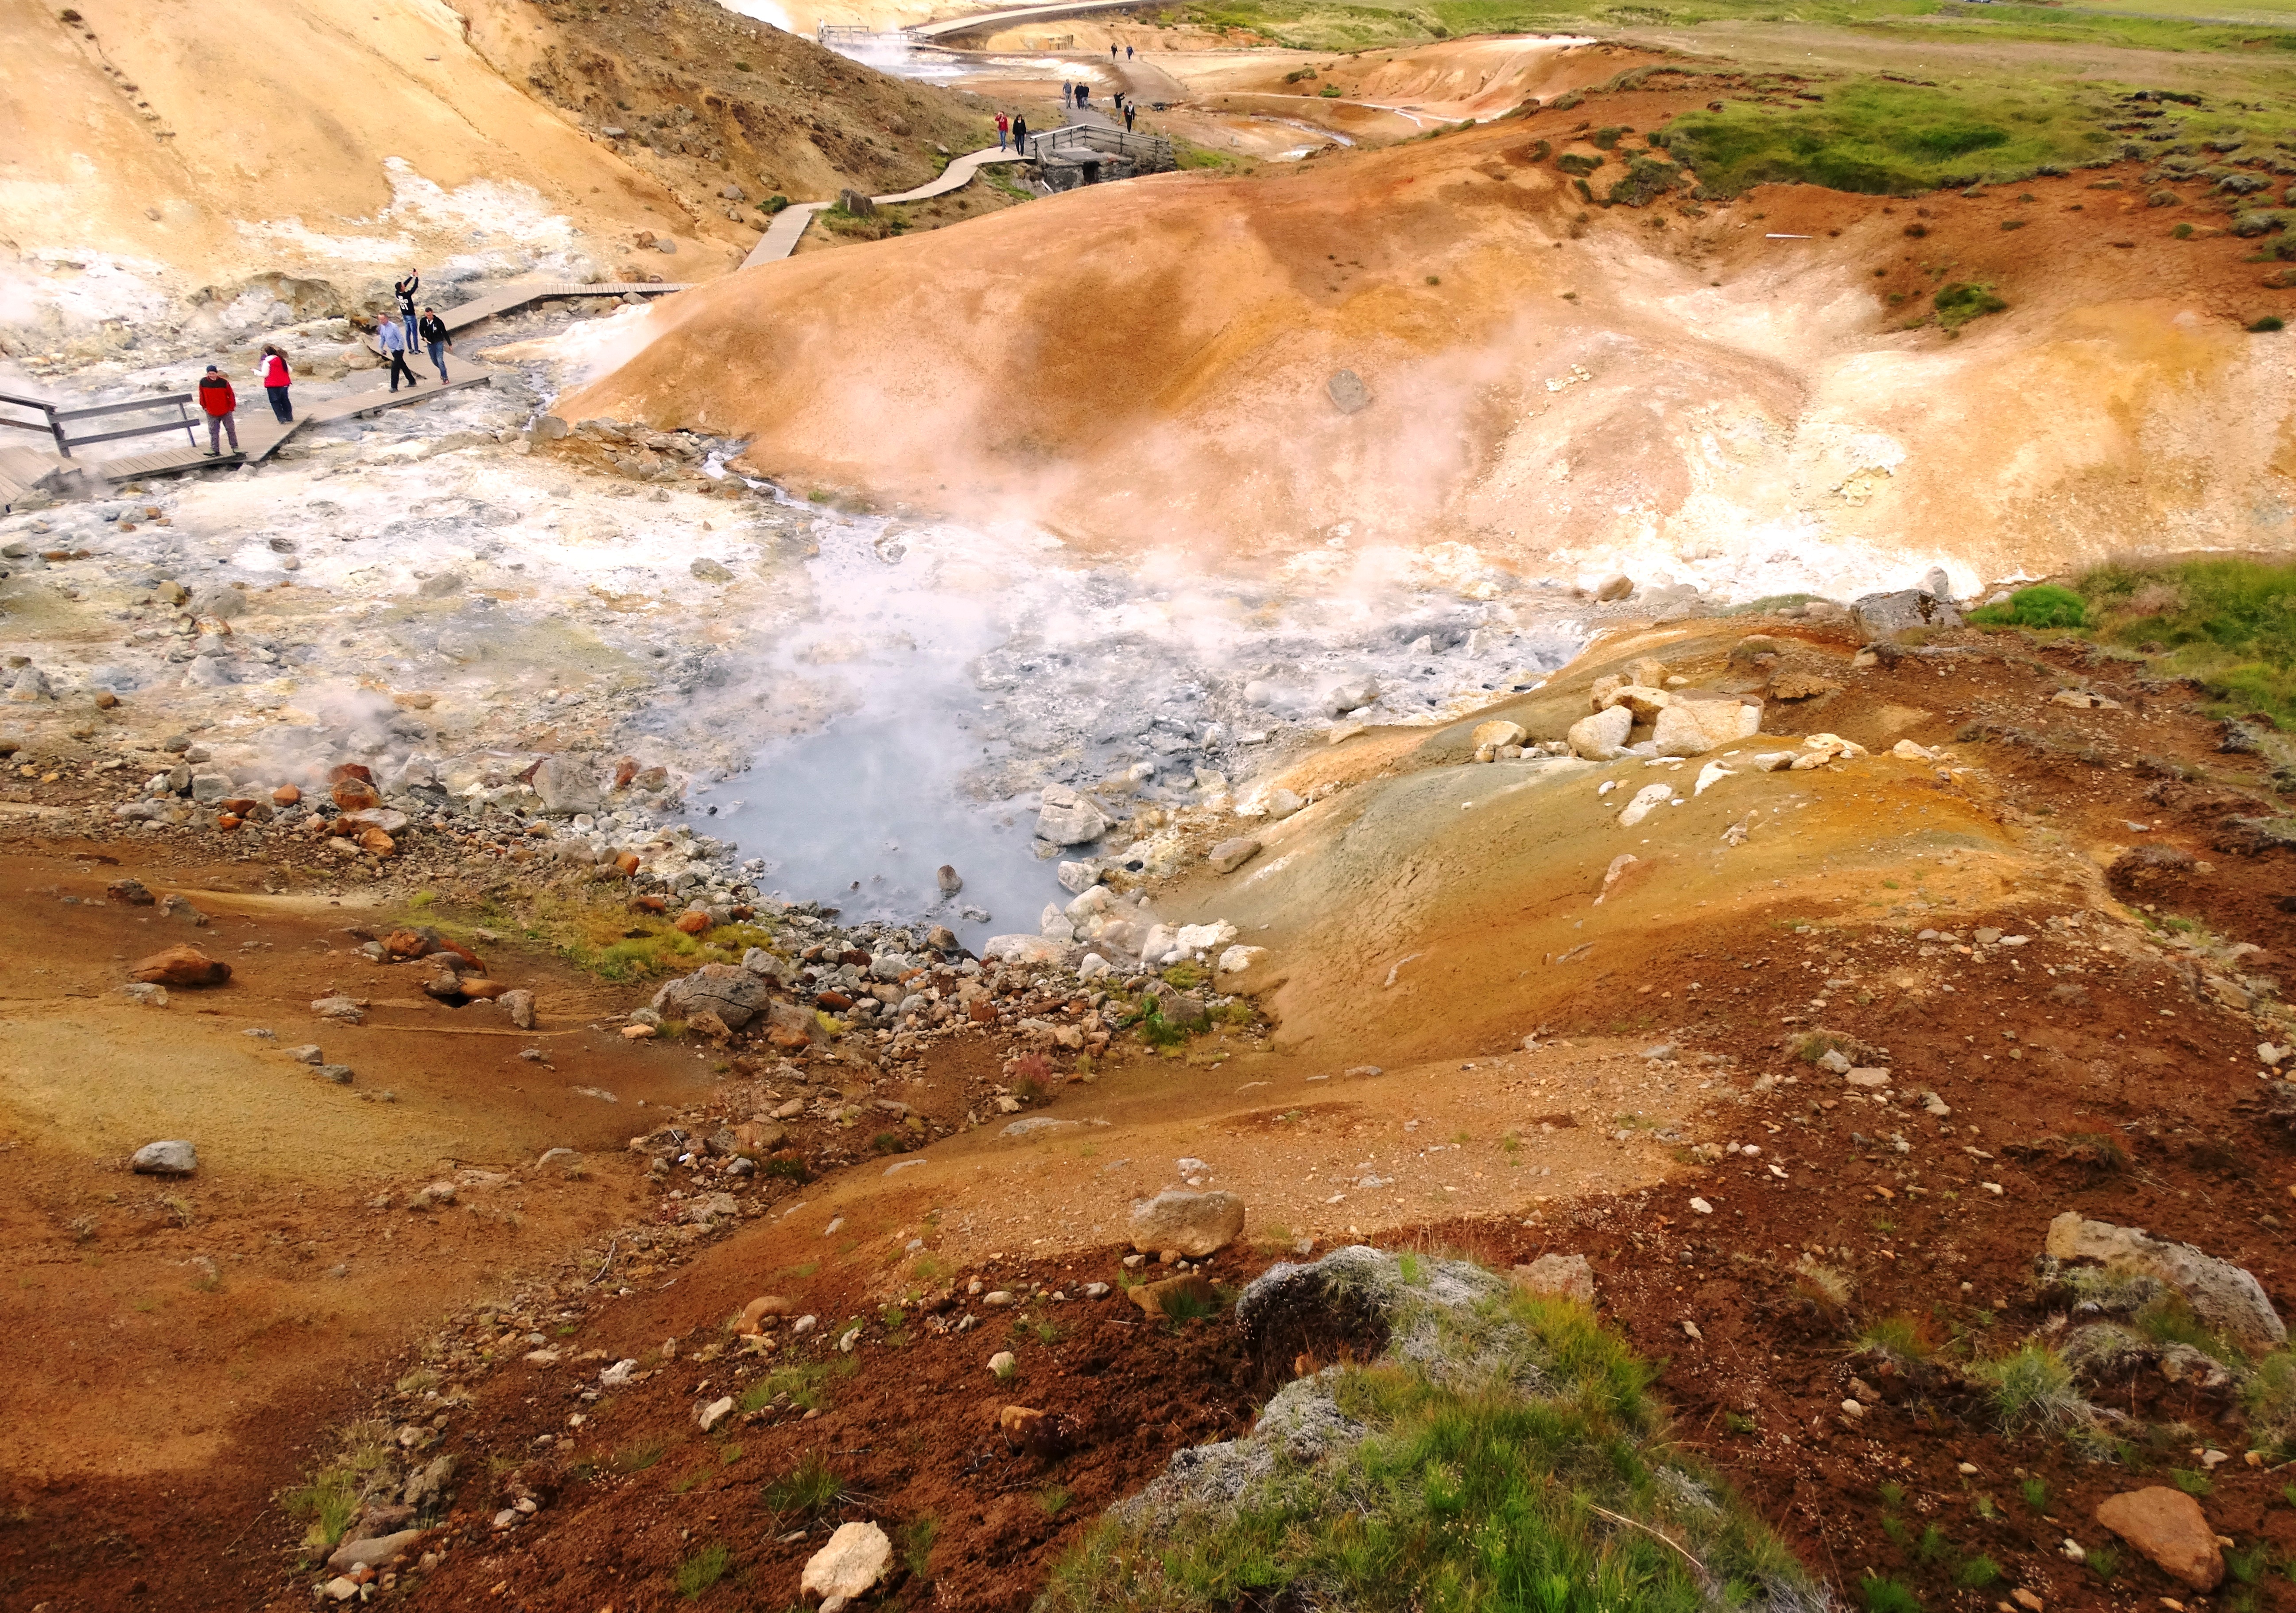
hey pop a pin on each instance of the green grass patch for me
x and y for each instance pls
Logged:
(811, 1488)
(916, 1539)
(1978, 1573)
(2044, 606)
(1887, 1596)
(638, 1456)
(1898, 1338)
(2228, 624)
(1881, 138)
(1959, 303)
(2192, 1481)
(703, 1570)
(806, 1386)
(1540, 1475)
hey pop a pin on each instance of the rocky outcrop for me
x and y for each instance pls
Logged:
(1193, 1224)
(2224, 1295)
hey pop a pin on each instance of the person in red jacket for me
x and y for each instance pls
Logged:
(221, 402)
(275, 382)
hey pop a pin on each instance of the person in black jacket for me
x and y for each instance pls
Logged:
(435, 339)
(1020, 134)
(405, 290)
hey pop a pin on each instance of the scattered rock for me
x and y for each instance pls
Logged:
(2223, 1295)
(1602, 736)
(1801, 685)
(1885, 615)
(129, 891)
(853, 1561)
(1615, 588)
(1230, 855)
(2168, 1526)
(1194, 1287)
(1003, 1363)
(1347, 393)
(715, 1413)
(519, 1006)
(354, 1555)
(1568, 1275)
(173, 1157)
(1064, 817)
(732, 993)
(181, 965)
(1193, 1224)
(1647, 800)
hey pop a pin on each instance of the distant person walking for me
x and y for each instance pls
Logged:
(405, 292)
(1003, 128)
(1020, 133)
(1128, 52)
(393, 336)
(435, 340)
(1084, 94)
(221, 402)
(275, 382)
(1111, 52)
(1128, 118)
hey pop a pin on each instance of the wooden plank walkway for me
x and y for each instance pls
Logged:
(781, 237)
(1018, 16)
(260, 434)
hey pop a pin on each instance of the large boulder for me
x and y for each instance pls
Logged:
(566, 787)
(1885, 615)
(181, 965)
(1192, 1224)
(173, 1157)
(844, 1571)
(732, 993)
(1064, 817)
(1569, 1276)
(2168, 1526)
(1646, 702)
(1602, 736)
(2222, 1295)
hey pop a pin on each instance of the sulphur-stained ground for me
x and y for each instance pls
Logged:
(2044, 951)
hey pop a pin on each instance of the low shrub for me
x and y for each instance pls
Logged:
(2043, 605)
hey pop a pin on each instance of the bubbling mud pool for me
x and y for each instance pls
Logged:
(963, 671)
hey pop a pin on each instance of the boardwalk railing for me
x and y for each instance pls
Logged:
(834, 33)
(53, 419)
(1149, 152)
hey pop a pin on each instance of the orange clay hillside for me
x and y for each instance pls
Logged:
(1699, 390)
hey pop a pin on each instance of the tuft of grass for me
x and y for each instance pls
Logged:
(703, 1570)
(2225, 623)
(2192, 1481)
(2032, 1388)
(811, 1488)
(2103, 1561)
(1887, 1596)
(1054, 1500)
(638, 1456)
(1977, 1573)
(1898, 1338)
(2267, 325)
(916, 1539)
(2035, 1491)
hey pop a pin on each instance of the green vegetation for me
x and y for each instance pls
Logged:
(2102, 1561)
(2044, 606)
(1054, 1500)
(1872, 135)
(1978, 1573)
(810, 1487)
(1887, 1596)
(1959, 303)
(1898, 1338)
(703, 1570)
(2192, 1481)
(2228, 624)
(916, 1539)
(2033, 1388)
(2268, 325)
(2035, 1491)
(638, 1457)
(1468, 1493)
(2270, 1398)
(331, 1501)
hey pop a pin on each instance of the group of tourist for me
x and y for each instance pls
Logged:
(1014, 128)
(399, 332)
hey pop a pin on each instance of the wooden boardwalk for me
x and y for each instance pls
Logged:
(260, 434)
(781, 237)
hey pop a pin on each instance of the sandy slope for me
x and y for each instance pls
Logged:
(1147, 365)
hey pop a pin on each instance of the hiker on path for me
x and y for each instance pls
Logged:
(1065, 92)
(1112, 50)
(1020, 134)
(1003, 127)
(275, 382)
(433, 331)
(405, 292)
(220, 401)
(393, 336)
(1128, 52)
(1084, 94)
(1128, 118)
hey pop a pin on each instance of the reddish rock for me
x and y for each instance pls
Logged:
(350, 769)
(626, 770)
(693, 924)
(105, 700)
(649, 904)
(229, 821)
(626, 864)
(241, 804)
(286, 795)
(376, 842)
(184, 966)
(836, 1002)
(354, 796)
(2168, 1526)
(706, 1024)
(1195, 1286)
(483, 989)
(982, 1011)
(754, 1313)
(743, 914)
(408, 943)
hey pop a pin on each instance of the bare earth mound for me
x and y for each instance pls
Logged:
(1726, 392)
